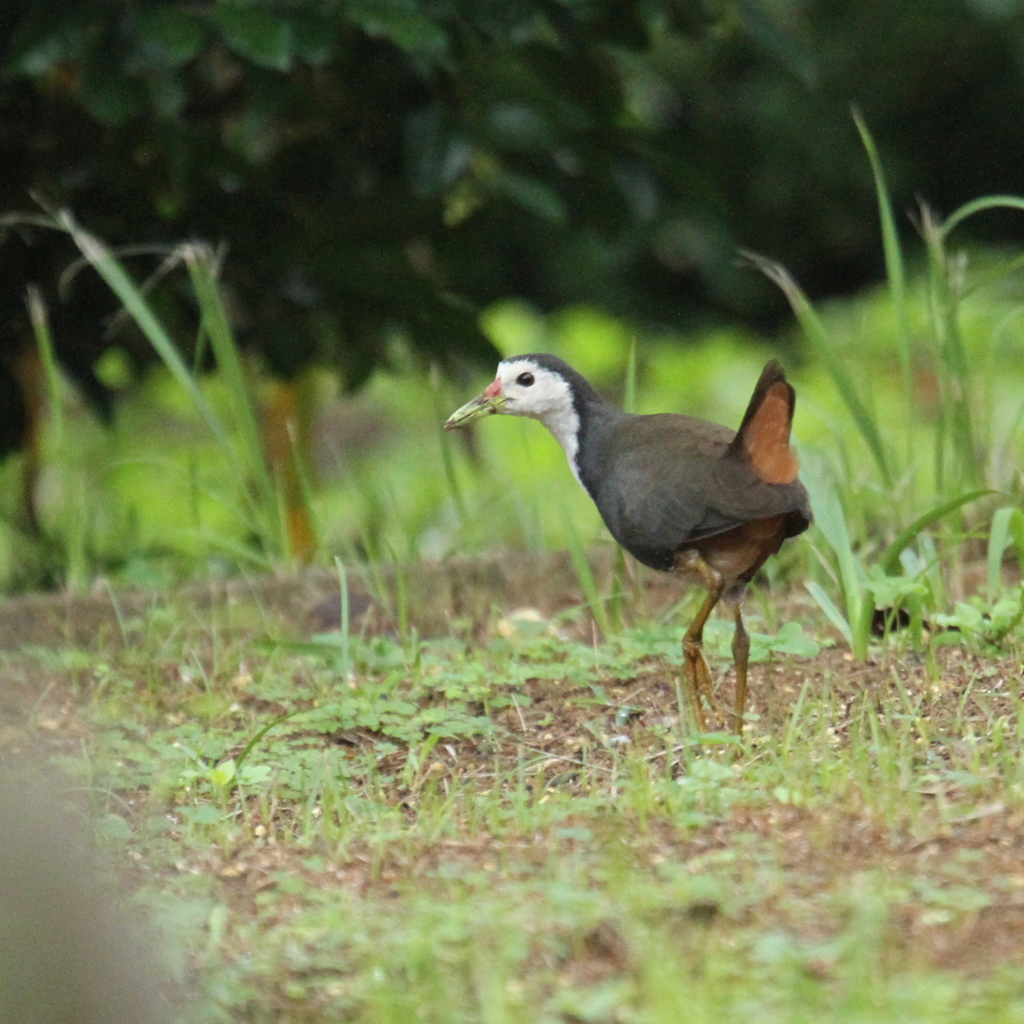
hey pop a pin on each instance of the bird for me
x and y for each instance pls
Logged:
(682, 495)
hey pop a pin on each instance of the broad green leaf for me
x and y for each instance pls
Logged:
(111, 98)
(254, 774)
(204, 814)
(168, 95)
(791, 639)
(38, 60)
(170, 35)
(315, 40)
(964, 617)
(889, 591)
(46, 34)
(264, 39)
(113, 826)
(530, 194)
(403, 24)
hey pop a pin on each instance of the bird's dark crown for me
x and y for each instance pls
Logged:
(583, 394)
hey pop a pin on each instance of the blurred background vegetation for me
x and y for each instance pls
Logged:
(416, 187)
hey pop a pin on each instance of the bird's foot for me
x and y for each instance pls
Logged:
(699, 685)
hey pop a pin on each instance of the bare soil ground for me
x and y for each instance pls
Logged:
(956, 878)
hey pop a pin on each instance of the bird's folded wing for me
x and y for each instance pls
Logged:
(671, 486)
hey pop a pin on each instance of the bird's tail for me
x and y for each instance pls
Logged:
(763, 437)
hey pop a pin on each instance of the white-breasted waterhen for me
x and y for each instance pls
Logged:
(680, 494)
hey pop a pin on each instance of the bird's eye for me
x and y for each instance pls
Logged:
(526, 379)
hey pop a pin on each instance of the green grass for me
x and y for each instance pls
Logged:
(519, 827)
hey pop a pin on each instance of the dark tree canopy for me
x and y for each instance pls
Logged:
(384, 168)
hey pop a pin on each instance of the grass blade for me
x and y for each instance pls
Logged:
(44, 341)
(239, 438)
(586, 576)
(814, 329)
(629, 391)
(109, 268)
(890, 560)
(982, 279)
(74, 516)
(201, 263)
(346, 661)
(977, 205)
(955, 418)
(828, 514)
(1007, 528)
(894, 267)
(832, 613)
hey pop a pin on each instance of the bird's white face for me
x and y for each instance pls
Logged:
(525, 388)
(522, 388)
(529, 389)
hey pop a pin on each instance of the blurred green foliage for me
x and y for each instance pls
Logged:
(383, 169)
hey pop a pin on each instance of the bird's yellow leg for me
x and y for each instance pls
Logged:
(741, 658)
(695, 665)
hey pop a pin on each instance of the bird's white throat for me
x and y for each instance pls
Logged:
(548, 399)
(564, 424)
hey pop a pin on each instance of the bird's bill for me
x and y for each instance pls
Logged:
(485, 404)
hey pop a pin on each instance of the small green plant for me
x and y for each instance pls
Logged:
(790, 639)
(984, 626)
(886, 585)
(223, 776)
